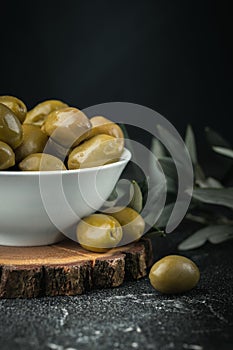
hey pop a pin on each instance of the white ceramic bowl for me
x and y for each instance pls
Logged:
(37, 207)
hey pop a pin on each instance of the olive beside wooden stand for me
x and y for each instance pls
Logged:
(67, 269)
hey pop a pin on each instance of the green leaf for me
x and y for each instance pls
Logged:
(164, 217)
(169, 167)
(200, 237)
(157, 148)
(224, 235)
(191, 144)
(171, 185)
(113, 195)
(215, 139)
(199, 173)
(196, 240)
(157, 233)
(129, 145)
(217, 196)
(196, 218)
(210, 182)
(136, 202)
(224, 151)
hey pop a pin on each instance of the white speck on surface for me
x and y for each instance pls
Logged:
(134, 345)
(64, 316)
(129, 329)
(138, 329)
(192, 347)
(55, 346)
(97, 332)
(216, 314)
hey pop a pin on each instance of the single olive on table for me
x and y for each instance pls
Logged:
(174, 274)
(99, 233)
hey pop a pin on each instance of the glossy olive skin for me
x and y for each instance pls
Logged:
(67, 126)
(102, 125)
(132, 223)
(56, 150)
(34, 141)
(16, 105)
(38, 114)
(99, 233)
(99, 150)
(7, 156)
(11, 130)
(174, 274)
(41, 162)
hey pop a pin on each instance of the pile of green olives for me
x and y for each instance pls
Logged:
(55, 136)
(101, 232)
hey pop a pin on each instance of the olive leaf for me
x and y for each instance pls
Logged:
(215, 139)
(171, 185)
(212, 233)
(129, 145)
(156, 233)
(191, 144)
(209, 182)
(224, 151)
(164, 217)
(217, 196)
(223, 236)
(155, 203)
(147, 193)
(196, 218)
(119, 196)
(199, 173)
(157, 148)
(169, 167)
(196, 240)
(136, 196)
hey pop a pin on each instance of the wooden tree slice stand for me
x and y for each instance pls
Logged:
(67, 269)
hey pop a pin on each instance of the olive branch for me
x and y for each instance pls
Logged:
(212, 199)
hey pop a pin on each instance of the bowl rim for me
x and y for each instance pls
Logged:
(125, 157)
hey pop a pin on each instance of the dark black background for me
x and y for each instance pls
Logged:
(175, 57)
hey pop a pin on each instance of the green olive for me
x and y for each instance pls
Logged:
(99, 233)
(99, 150)
(17, 106)
(67, 126)
(41, 162)
(132, 223)
(174, 274)
(56, 150)
(7, 156)
(34, 141)
(11, 130)
(102, 125)
(38, 114)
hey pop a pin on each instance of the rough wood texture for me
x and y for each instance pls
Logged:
(67, 269)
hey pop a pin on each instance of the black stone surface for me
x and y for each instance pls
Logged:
(133, 316)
